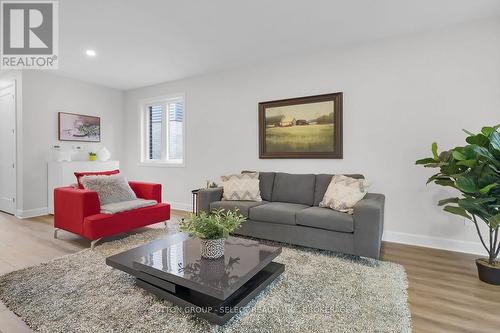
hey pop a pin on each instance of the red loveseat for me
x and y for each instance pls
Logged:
(79, 211)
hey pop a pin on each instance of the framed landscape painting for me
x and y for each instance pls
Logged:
(77, 127)
(304, 127)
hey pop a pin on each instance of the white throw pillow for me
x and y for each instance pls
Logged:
(244, 186)
(110, 189)
(343, 193)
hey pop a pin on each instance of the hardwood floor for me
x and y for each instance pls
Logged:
(29, 242)
(444, 292)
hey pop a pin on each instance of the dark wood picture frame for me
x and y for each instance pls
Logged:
(337, 128)
(60, 138)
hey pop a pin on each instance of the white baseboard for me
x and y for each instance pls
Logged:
(27, 213)
(434, 242)
(181, 206)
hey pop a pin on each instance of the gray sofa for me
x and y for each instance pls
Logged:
(290, 213)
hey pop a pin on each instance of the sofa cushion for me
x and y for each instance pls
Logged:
(298, 189)
(124, 206)
(266, 184)
(104, 225)
(276, 212)
(325, 218)
(322, 182)
(243, 206)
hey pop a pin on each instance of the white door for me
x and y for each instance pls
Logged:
(8, 149)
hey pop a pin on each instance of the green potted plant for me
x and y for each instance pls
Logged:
(474, 170)
(211, 184)
(92, 156)
(212, 229)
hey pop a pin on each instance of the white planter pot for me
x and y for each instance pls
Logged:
(212, 248)
(212, 269)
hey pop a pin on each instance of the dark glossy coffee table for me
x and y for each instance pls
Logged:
(215, 289)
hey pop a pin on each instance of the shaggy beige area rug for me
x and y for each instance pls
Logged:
(318, 292)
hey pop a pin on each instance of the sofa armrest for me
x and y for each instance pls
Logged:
(369, 225)
(207, 196)
(72, 205)
(148, 191)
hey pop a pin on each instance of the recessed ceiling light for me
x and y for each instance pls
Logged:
(91, 53)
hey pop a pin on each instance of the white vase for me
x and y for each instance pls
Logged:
(64, 156)
(103, 154)
(212, 248)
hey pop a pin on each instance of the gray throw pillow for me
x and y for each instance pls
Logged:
(110, 189)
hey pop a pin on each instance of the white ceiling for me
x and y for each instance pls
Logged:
(140, 43)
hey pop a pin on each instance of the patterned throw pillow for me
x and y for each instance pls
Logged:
(79, 175)
(343, 193)
(241, 187)
(110, 189)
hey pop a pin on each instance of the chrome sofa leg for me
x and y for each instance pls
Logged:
(93, 243)
(165, 223)
(55, 232)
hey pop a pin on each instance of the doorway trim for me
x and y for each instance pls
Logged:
(13, 86)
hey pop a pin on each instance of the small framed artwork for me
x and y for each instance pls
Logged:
(304, 127)
(78, 127)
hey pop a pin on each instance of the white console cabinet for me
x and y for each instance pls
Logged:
(62, 174)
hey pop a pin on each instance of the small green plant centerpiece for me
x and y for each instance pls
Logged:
(474, 170)
(212, 229)
(211, 184)
(92, 156)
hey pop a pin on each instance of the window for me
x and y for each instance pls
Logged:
(163, 131)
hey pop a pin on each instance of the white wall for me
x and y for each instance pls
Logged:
(399, 96)
(44, 95)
